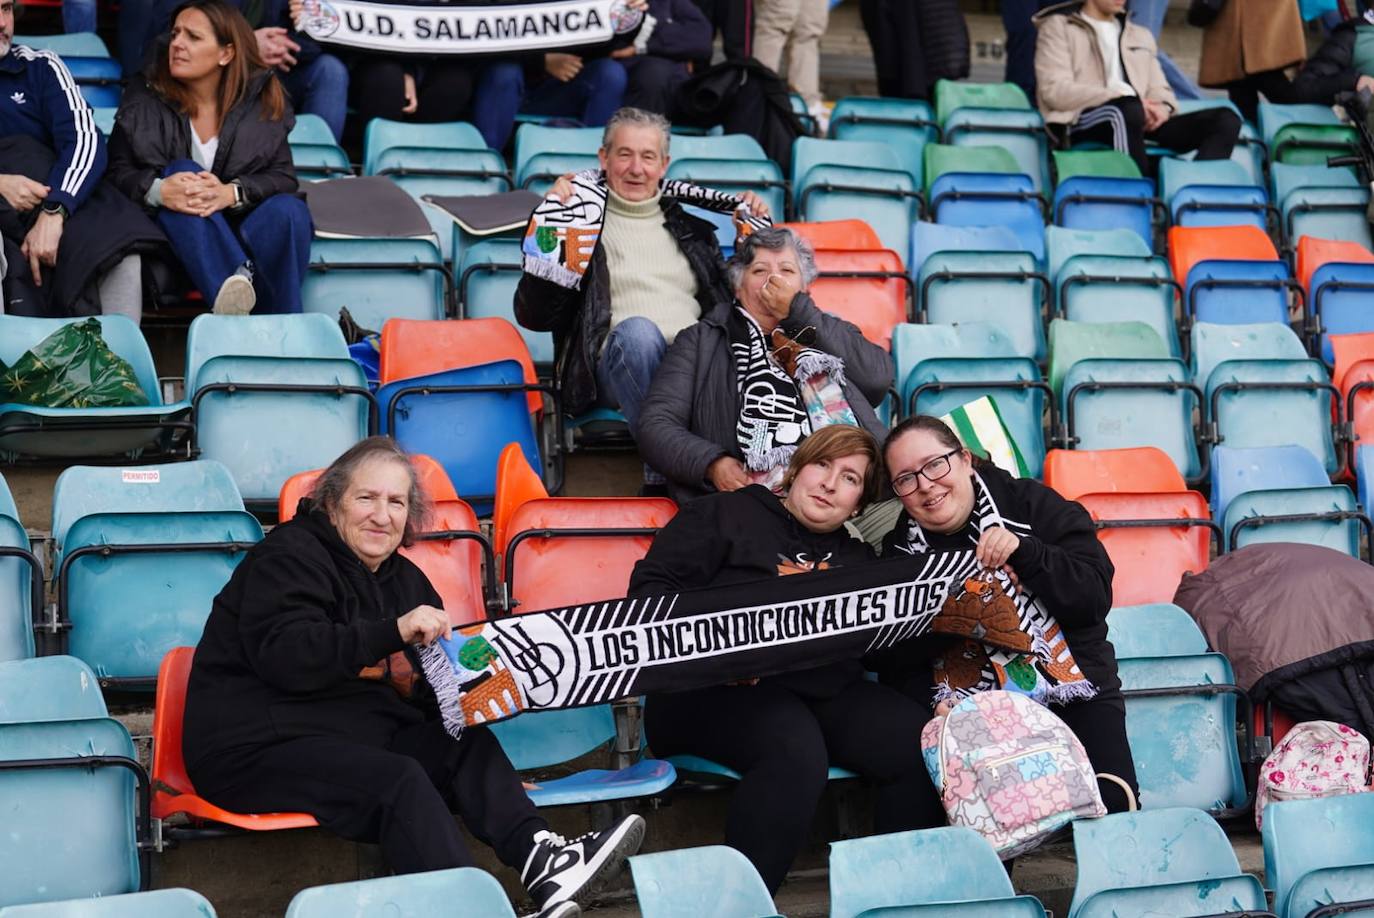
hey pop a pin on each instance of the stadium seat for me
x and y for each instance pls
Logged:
(1236, 471)
(104, 120)
(1153, 540)
(75, 801)
(1005, 289)
(158, 903)
(976, 186)
(1020, 132)
(729, 163)
(173, 791)
(516, 483)
(1319, 855)
(869, 288)
(87, 59)
(1238, 292)
(836, 234)
(1154, 630)
(929, 238)
(1215, 192)
(311, 129)
(73, 432)
(1189, 245)
(433, 481)
(952, 95)
(319, 161)
(1102, 189)
(1174, 861)
(1321, 201)
(1071, 164)
(1304, 134)
(376, 280)
(1133, 470)
(469, 890)
(906, 125)
(64, 45)
(835, 179)
(940, 367)
(1118, 288)
(1249, 150)
(1325, 515)
(1062, 245)
(488, 273)
(180, 526)
(271, 395)
(1354, 377)
(690, 882)
(443, 159)
(542, 154)
(1339, 280)
(1263, 390)
(49, 688)
(21, 583)
(907, 873)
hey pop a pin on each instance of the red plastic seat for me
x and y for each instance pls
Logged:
(876, 304)
(1141, 469)
(1354, 366)
(453, 565)
(1189, 245)
(419, 347)
(836, 234)
(1151, 559)
(1314, 252)
(172, 789)
(516, 482)
(433, 481)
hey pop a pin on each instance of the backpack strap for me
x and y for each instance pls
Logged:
(1130, 794)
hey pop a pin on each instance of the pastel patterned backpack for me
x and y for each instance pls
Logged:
(1318, 758)
(1007, 768)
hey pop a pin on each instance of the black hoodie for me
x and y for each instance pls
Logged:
(747, 535)
(287, 637)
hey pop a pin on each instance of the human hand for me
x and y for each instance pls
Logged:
(562, 67)
(776, 297)
(728, 474)
(756, 205)
(1365, 84)
(995, 546)
(22, 192)
(296, 10)
(211, 195)
(412, 97)
(1156, 113)
(177, 192)
(562, 189)
(424, 625)
(40, 245)
(276, 48)
(944, 708)
(622, 53)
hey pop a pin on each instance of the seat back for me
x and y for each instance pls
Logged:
(473, 891)
(433, 481)
(488, 274)
(1238, 470)
(1326, 834)
(20, 333)
(1238, 292)
(1140, 469)
(376, 279)
(1154, 630)
(929, 238)
(836, 234)
(1338, 530)
(906, 868)
(688, 882)
(1339, 295)
(905, 125)
(413, 349)
(1062, 244)
(1313, 253)
(943, 159)
(1092, 203)
(1018, 131)
(1004, 289)
(453, 565)
(157, 903)
(811, 152)
(1150, 560)
(49, 688)
(17, 585)
(1285, 178)
(169, 713)
(383, 134)
(1175, 174)
(1354, 361)
(876, 304)
(1215, 344)
(952, 95)
(1189, 245)
(1069, 164)
(542, 154)
(66, 44)
(1071, 342)
(973, 199)
(516, 483)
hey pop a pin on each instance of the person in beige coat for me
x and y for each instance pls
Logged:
(1247, 48)
(1098, 79)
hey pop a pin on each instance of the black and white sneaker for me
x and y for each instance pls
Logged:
(565, 909)
(561, 870)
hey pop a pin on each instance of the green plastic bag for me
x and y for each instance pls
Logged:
(71, 368)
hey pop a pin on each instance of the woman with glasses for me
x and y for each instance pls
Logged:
(1047, 547)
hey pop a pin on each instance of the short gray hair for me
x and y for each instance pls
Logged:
(775, 239)
(334, 481)
(636, 117)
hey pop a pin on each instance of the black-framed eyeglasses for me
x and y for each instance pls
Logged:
(934, 470)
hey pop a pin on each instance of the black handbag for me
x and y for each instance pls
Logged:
(1202, 13)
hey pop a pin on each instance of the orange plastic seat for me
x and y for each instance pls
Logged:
(865, 287)
(549, 570)
(1140, 469)
(1354, 367)
(450, 554)
(420, 347)
(433, 481)
(172, 789)
(1189, 245)
(1171, 537)
(836, 234)
(1314, 252)
(516, 482)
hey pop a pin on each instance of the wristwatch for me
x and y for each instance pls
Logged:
(56, 208)
(238, 193)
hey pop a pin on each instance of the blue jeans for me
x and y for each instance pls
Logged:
(319, 88)
(591, 97)
(275, 237)
(78, 16)
(634, 349)
(1150, 14)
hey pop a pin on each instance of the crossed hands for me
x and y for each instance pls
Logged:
(276, 48)
(199, 194)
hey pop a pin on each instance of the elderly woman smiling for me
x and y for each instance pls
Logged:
(743, 387)
(301, 699)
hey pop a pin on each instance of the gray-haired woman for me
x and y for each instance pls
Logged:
(739, 390)
(302, 698)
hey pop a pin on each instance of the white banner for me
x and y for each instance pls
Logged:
(445, 29)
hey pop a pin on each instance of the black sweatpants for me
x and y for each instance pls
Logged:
(1120, 124)
(443, 89)
(399, 796)
(782, 745)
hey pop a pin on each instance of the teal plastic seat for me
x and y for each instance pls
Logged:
(49, 688)
(1006, 289)
(21, 583)
(909, 874)
(75, 433)
(1322, 201)
(158, 903)
(690, 882)
(836, 179)
(377, 279)
(542, 154)
(1113, 403)
(761, 176)
(71, 44)
(1175, 861)
(1319, 853)
(317, 161)
(905, 125)
(1236, 471)
(71, 830)
(928, 238)
(273, 395)
(1326, 515)
(383, 135)
(1119, 288)
(443, 171)
(1020, 132)
(1154, 630)
(695, 769)
(1181, 720)
(310, 129)
(459, 890)
(1216, 192)
(488, 274)
(104, 119)
(1062, 244)
(1249, 150)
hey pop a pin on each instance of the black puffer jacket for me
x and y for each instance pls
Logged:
(285, 642)
(690, 415)
(149, 133)
(1330, 70)
(581, 319)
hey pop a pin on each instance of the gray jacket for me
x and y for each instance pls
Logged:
(689, 417)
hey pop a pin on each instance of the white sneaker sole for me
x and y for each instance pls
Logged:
(617, 849)
(236, 297)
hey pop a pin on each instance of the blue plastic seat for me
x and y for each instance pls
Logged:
(905, 125)
(1175, 861)
(318, 161)
(1249, 150)
(1342, 302)
(1006, 289)
(468, 890)
(98, 79)
(21, 583)
(928, 238)
(1225, 292)
(104, 119)
(158, 903)
(836, 179)
(116, 531)
(377, 279)
(72, 828)
(1364, 474)
(1319, 853)
(1091, 202)
(542, 154)
(74, 433)
(273, 395)
(987, 199)
(49, 688)
(1154, 630)
(64, 45)
(1322, 201)
(1119, 288)
(1236, 471)
(1325, 515)
(487, 277)
(1215, 192)
(690, 882)
(909, 874)
(1062, 244)
(1020, 132)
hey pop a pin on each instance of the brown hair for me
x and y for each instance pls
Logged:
(230, 28)
(835, 441)
(936, 428)
(334, 481)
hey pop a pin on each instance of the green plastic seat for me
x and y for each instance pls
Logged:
(1094, 164)
(1071, 342)
(945, 158)
(951, 96)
